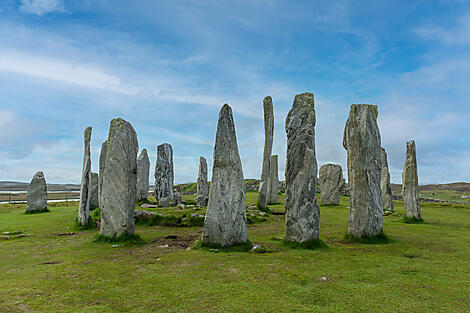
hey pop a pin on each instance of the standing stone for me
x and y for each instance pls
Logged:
(202, 187)
(143, 169)
(83, 208)
(410, 183)
(362, 141)
(331, 184)
(225, 221)
(302, 209)
(93, 191)
(37, 194)
(104, 146)
(268, 148)
(387, 196)
(119, 180)
(164, 176)
(177, 198)
(273, 181)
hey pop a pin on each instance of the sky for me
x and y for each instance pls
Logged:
(167, 67)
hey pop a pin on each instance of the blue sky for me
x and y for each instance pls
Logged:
(168, 66)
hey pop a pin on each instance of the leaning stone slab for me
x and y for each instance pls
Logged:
(83, 206)
(331, 183)
(119, 180)
(202, 186)
(273, 181)
(164, 175)
(143, 169)
(268, 148)
(225, 221)
(37, 194)
(387, 196)
(93, 191)
(362, 142)
(302, 209)
(410, 183)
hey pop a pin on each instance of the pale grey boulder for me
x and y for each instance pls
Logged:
(225, 221)
(164, 202)
(202, 186)
(387, 196)
(93, 191)
(273, 181)
(302, 209)
(119, 180)
(37, 194)
(268, 148)
(331, 183)
(143, 170)
(410, 190)
(177, 199)
(83, 206)
(362, 142)
(104, 146)
(164, 175)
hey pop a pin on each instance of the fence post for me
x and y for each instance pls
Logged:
(66, 197)
(9, 198)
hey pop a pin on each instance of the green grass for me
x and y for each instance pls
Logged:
(412, 220)
(378, 239)
(242, 247)
(123, 238)
(57, 269)
(309, 245)
(45, 210)
(90, 225)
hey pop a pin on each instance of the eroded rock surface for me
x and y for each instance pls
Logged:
(202, 186)
(37, 194)
(268, 147)
(83, 206)
(410, 183)
(387, 196)
(143, 170)
(331, 183)
(164, 175)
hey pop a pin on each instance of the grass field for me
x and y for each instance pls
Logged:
(425, 269)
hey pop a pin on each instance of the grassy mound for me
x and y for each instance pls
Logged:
(308, 245)
(381, 238)
(413, 220)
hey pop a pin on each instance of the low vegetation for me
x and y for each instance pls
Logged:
(58, 269)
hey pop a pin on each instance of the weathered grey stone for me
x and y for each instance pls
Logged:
(119, 180)
(302, 209)
(362, 141)
(164, 202)
(164, 175)
(93, 191)
(225, 222)
(177, 198)
(268, 148)
(37, 194)
(273, 181)
(83, 206)
(143, 169)
(104, 146)
(410, 183)
(387, 196)
(202, 186)
(331, 183)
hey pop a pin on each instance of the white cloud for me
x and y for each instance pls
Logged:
(41, 7)
(459, 34)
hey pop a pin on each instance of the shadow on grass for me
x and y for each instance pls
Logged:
(241, 247)
(90, 225)
(46, 210)
(380, 239)
(123, 238)
(412, 220)
(313, 244)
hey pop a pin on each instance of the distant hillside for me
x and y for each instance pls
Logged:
(460, 187)
(20, 186)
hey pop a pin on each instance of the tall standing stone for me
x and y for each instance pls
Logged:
(37, 194)
(93, 191)
(202, 187)
(268, 148)
(119, 180)
(362, 141)
(104, 146)
(164, 175)
(331, 183)
(387, 196)
(83, 206)
(410, 183)
(302, 209)
(143, 170)
(273, 181)
(225, 221)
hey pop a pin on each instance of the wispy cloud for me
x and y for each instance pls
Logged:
(41, 7)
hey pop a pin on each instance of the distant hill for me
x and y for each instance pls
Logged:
(460, 187)
(20, 186)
